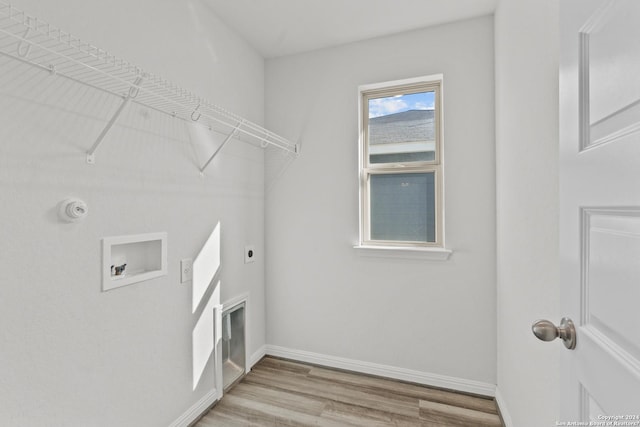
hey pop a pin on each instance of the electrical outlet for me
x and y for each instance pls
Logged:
(186, 270)
(249, 254)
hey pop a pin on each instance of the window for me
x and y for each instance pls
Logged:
(401, 163)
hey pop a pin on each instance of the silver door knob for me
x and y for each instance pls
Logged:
(547, 331)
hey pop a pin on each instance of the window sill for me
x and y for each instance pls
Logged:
(431, 254)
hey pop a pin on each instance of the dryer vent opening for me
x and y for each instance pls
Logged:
(233, 344)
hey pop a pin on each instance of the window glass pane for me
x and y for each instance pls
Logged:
(401, 128)
(403, 207)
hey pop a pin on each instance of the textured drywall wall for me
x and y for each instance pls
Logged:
(72, 355)
(322, 296)
(527, 195)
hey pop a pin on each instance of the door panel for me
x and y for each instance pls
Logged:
(609, 66)
(600, 206)
(612, 252)
(605, 376)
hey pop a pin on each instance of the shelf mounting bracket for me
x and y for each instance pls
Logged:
(133, 92)
(227, 139)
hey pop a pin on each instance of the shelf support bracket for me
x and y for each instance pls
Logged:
(227, 139)
(24, 52)
(133, 92)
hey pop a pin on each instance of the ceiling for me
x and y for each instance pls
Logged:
(284, 27)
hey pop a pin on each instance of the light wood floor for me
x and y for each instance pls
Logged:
(284, 393)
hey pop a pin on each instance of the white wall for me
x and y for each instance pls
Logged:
(322, 297)
(70, 354)
(527, 194)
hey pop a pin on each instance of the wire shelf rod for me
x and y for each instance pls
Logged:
(275, 138)
(269, 138)
(37, 43)
(110, 92)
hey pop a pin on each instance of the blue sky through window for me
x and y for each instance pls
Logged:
(399, 103)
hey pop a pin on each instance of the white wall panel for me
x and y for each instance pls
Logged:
(71, 354)
(527, 208)
(429, 316)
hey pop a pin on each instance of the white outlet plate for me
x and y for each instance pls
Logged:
(249, 254)
(186, 270)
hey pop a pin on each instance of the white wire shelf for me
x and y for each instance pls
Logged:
(32, 41)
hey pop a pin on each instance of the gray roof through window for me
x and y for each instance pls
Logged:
(408, 126)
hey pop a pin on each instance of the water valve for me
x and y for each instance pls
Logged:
(72, 210)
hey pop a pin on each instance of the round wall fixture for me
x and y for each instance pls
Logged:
(72, 210)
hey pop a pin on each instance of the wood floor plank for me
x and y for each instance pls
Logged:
(280, 392)
(366, 417)
(220, 418)
(406, 389)
(225, 417)
(456, 416)
(283, 365)
(365, 395)
(284, 399)
(397, 404)
(265, 414)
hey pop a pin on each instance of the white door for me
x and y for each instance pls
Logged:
(600, 208)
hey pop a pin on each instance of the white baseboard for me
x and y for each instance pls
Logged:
(425, 378)
(502, 407)
(196, 410)
(255, 357)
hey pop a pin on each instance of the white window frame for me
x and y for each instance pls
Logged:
(436, 166)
